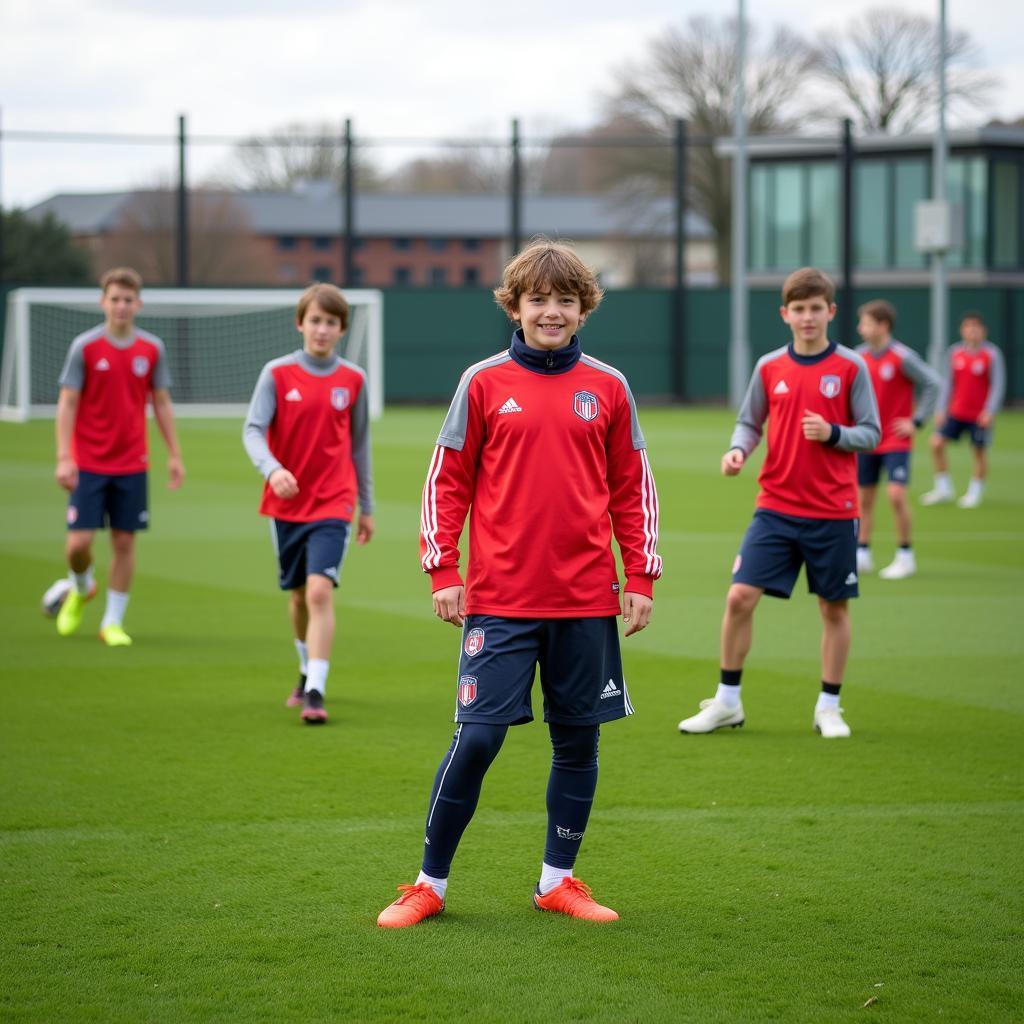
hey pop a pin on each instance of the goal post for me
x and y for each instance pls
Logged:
(216, 340)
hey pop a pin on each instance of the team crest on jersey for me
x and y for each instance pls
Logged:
(584, 404)
(887, 371)
(140, 366)
(830, 385)
(474, 642)
(978, 367)
(467, 690)
(340, 397)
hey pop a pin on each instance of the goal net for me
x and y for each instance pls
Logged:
(216, 341)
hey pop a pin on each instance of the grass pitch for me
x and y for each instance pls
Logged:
(174, 845)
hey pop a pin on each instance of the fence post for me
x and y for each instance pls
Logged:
(348, 209)
(515, 189)
(679, 291)
(182, 218)
(846, 336)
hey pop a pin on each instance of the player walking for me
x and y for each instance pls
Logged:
(543, 450)
(817, 399)
(308, 433)
(109, 375)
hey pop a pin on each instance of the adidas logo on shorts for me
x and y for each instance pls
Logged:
(610, 690)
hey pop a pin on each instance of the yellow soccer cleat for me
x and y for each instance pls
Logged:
(417, 903)
(69, 618)
(114, 636)
(572, 897)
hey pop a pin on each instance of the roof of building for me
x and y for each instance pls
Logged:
(312, 209)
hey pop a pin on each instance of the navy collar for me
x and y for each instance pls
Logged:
(811, 360)
(559, 360)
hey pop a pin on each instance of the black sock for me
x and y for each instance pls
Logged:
(862, 544)
(571, 788)
(905, 547)
(830, 688)
(730, 677)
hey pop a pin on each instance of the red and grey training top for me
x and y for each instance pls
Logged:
(114, 379)
(896, 371)
(544, 452)
(975, 381)
(309, 415)
(800, 477)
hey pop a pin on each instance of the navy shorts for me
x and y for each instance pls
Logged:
(306, 548)
(775, 546)
(869, 468)
(981, 437)
(102, 499)
(580, 670)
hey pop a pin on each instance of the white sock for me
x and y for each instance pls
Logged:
(316, 675)
(728, 695)
(439, 885)
(300, 646)
(551, 878)
(943, 483)
(828, 700)
(81, 581)
(975, 487)
(116, 605)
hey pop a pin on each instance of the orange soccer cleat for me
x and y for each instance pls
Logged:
(417, 903)
(573, 897)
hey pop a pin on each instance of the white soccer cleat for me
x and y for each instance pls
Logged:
(713, 715)
(865, 563)
(902, 566)
(829, 722)
(970, 500)
(937, 496)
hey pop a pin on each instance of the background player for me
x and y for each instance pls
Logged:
(896, 371)
(817, 398)
(972, 392)
(543, 449)
(308, 432)
(109, 374)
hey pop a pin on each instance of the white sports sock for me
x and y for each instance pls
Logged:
(300, 646)
(316, 675)
(728, 695)
(975, 487)
(551, 878)
(116, 605)
(81, 581)
(828, 700)
(943, 482)
(439, 885)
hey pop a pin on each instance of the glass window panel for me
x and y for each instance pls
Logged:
(975, 200)
(911, 184)
(825, 209)
(955, 171)
(1006, 215)
(789, 216)
(870, 214)
(760, 223)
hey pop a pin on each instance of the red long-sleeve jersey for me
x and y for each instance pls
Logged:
(975, 381)
(547, 465)
(896, 372)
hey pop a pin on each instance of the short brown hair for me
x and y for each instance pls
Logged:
(555, 264)
(880, 310)
(808, 283)
(328, 298)
(124, 276)
(972, 314)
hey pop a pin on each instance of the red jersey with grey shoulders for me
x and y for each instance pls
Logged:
(897, 372)
(114, 378)
(812, 479)
(547, 463)
(975, 381)
(309, 415)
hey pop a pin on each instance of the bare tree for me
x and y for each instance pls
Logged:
(884, 70)
(468, 169)
(691, 72)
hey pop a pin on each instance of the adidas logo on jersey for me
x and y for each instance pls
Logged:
(851, 579)
(610, 690)
(293, 396)
(103, 365)
(782, 388)
(510, 406)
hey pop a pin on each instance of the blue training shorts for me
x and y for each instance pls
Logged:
(775, 546)
(580, 670)
(101, 499)
(952, 428)
(304, 549)
(869, 468)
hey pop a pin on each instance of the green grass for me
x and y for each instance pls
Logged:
(175, 846)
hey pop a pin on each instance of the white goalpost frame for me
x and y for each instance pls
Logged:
(16, 376)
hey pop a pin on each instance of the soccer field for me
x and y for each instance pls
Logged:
(175, 845)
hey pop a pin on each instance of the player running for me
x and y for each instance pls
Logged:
(109, 375)
(543, 450)
(308, 433)
(817, 399)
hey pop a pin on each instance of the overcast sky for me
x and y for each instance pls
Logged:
(396, 67)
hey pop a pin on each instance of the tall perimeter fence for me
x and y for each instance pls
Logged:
(429, 222)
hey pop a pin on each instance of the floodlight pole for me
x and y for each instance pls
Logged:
(679, 291)
(846, 297)
(939, 292)
(182, 218)
(516, 192)
(348, 208)
(739, 346)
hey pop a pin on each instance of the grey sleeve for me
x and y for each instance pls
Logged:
(73, 373)
(997, 389)
(257, 420)
(750, 419)
(360, 425)
(867, 429)
(161, 372)
(928, 383)
(945, 385)
(453, 430)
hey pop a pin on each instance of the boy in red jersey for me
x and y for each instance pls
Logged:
(308, 433)
(895, 372)
(817, 399)
(972, 392)
(543, 450)
(110, 373)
